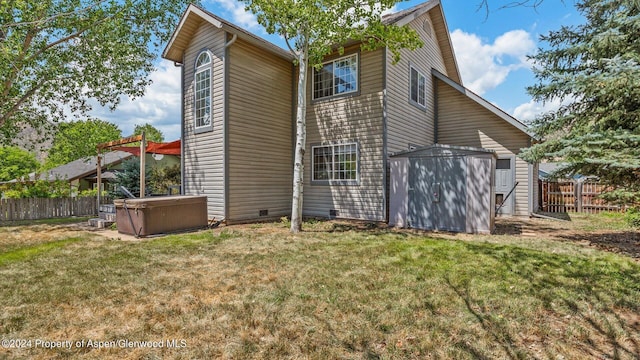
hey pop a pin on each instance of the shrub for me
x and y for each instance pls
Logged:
(632, 216)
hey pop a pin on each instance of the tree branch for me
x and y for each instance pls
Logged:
(14, 71)
(27, 95)
(53, 17)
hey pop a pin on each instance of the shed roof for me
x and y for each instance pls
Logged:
(442, 149)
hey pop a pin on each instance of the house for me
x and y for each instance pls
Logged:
(81, 173)
(238, 125)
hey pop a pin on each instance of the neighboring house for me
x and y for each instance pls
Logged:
(546, 170)
(81, 173)
(238, 125)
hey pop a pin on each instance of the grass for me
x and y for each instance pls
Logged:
(338, 290)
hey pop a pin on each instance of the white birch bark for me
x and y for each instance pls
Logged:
(301, 138)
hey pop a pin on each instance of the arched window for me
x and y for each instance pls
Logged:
(202, 103)
(426, 26)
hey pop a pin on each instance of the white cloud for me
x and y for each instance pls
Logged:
(484, 66)
(160, 106)
(530, 110)
(239, 15)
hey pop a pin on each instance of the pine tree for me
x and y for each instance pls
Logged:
(595, 67)
(129, 177)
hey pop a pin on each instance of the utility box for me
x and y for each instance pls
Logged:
(444, 188)
(160, 215)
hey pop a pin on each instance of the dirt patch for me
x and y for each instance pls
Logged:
(579, 230)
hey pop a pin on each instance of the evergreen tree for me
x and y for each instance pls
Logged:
(596, 67)
(129, 177)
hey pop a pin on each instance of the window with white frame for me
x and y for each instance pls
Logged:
(336, 77)
(336, 162)
(202, 101)
(418, 88)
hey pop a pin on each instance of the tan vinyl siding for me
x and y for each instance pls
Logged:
(463, 122)
(204, 152)
(259, 133)
(405, 122)
(352, 118)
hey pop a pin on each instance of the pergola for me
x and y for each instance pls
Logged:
(111, 144)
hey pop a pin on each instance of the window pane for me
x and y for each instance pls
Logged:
(336, 77)
(422, 90)
(346, 75)
(503, 164)
(335, 162)
(414, 85)
(202, 103)
(345, 162)
(321, 163)
(323, 81)
(203, 59)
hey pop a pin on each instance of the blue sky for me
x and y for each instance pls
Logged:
(490, 48)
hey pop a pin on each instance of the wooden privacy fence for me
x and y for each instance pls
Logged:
(46, 208)
(574, 196)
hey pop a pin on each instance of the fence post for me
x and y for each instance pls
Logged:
(578, 195)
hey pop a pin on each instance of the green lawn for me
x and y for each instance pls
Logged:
(338, 290)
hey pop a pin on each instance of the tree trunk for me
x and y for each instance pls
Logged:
(301, 138)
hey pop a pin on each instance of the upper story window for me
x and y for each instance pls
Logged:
(418, 88)
(335, 163)
(336, 77)
(202, 101)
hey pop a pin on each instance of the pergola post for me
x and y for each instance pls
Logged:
(143, 156)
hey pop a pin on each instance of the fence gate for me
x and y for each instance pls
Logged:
(575, 196)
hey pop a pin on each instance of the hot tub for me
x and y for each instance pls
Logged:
(160, 215)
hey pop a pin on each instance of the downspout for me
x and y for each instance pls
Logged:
(230, 42)
(435, 109)
(385, 161)
(182, 177)
(225, 117)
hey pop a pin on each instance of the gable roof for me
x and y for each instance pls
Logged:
(482, 102)
(80, 168)
(434, 8)
(194, 16)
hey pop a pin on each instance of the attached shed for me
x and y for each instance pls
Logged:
(442, 187)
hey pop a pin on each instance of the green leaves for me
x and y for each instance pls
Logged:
(61, 53)
(150, 132)
(77, 139)
(322, 27)
(15, 162)
(596, 68)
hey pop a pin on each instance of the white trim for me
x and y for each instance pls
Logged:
(333, 61)
(419, 11)
(208, 66)
(332, 171)
(224, 25)
(424, 97)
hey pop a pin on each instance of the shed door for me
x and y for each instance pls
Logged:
(504, 184)
(437, 193)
